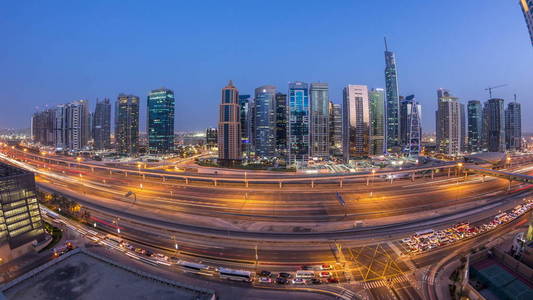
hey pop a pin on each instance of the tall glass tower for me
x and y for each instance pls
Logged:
(298, 139)
(495, 125)
(244, 107)
(376, 98)
(527, 9)
(102, 125)
(475, 123)
(264, 103)
(281, 125)
(127, 124)
(392, 119)
(513, 126)
(410, 125)
(161, 121)
(319, 120)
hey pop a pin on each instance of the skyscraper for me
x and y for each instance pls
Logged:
(411, 125)
(392, 119)
(448, 123)
(60, 126)
(42, 127)
(356, 122)
(264, 103)
(335, 128)
(127, 124)
(244, 110)
(319, 112)
(376, 98)
(513, 126)
(475, 125)
(77, 132)
(495, 125)
(464, 138)
(229, 127)
(527, 9)
(161, 121)
(299, 138)
(281, 125)
(102, 125)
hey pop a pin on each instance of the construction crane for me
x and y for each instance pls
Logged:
(492, 88)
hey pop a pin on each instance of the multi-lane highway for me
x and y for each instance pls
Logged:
(259, 222)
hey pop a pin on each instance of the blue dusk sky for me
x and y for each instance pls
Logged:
(54, 52)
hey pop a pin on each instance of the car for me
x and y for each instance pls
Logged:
(265, 273)
(333, 280)
(264, 280)
(326, 267)
(281, 280)
(316, 281)
(149, 253)
(298, 281)
(325, 274)
(307, 268)
(284, 275)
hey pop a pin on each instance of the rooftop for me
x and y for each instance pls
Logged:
(83, 275)
(8, 170)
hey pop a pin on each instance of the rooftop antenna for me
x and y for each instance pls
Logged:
(386, 48)
(514, 98)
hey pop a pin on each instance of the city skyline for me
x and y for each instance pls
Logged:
(365, 64)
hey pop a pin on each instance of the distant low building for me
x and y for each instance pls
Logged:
(211, 138)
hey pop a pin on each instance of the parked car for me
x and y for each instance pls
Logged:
(265, 273)
(264, 280)
(282, 280)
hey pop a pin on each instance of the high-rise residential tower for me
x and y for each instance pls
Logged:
(356, 122)
(42, 127)
(462, 118)
(102, 125)
(77, 125)
(411, 125)
(448, 123)
(513, 126)
(527, 9)
(127, 124)
(60, 126)
(392, 103)
(244, 111)
(475, 125)
(335, 129)
(299, 137)
(161, 121)
(229, 127)
(281, 125)
(495, 130)
(264, 104)
(319, 111)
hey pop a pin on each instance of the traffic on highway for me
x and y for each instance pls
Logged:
(430, 239)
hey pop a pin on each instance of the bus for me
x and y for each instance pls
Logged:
(305, 274)
(114, 239)
(192, 267)
(424, 233)
(237, 275)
